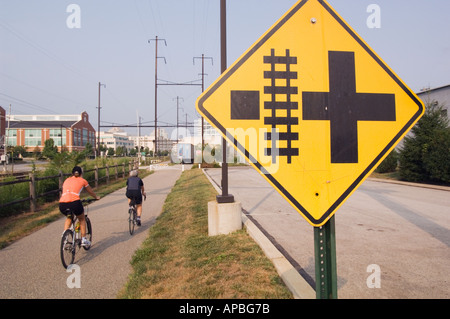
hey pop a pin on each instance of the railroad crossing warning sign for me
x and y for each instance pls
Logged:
(311, 107)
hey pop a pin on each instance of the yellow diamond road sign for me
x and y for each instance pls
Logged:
(312, 108)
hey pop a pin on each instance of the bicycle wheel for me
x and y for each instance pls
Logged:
(88, 233)
(68, 248)
(131, 219)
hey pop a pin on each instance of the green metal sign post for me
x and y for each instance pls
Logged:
(325, 260)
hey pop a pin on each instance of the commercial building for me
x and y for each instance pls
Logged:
(2, 130)
(114, 138)
(144, 141)
(31, 131)
(210, 135)
(440, 95)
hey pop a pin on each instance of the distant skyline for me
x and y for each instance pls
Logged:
(51, 65)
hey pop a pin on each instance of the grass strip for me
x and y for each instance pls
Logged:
(179, 260)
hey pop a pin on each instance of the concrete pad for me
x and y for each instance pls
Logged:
(224, 218)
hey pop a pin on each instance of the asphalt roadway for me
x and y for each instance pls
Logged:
(402, 231)
(31, 267)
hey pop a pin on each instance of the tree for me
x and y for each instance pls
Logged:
(88, 149)
(425, 155)
(121, 151)
(389, 164)
(76, 157)
(50, 149)
(60, 159)
(102, 148)
(36, 152)
(19, 150)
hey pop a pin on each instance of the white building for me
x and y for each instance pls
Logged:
(116, 137)
(210, 135)
(440, 95)
(144, 141)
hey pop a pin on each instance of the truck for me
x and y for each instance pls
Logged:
(184, 153)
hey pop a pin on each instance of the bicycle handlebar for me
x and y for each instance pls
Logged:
(88, 200)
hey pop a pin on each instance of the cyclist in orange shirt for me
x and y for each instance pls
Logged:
(70, 199)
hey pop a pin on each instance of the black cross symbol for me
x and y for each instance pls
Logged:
(343, 107)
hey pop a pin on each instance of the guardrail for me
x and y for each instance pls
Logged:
(33, 180)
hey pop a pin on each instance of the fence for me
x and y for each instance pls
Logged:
(87, 174)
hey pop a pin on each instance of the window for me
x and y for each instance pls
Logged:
(76, 137)
(92, 139)
(33, 137)
(85, 136)
(57, 135)
(11, 137)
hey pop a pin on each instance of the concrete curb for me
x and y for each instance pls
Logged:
(393, 181)
(293, 280)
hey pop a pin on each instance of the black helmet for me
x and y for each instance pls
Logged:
(77, 169)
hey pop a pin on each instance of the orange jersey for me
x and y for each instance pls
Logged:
(72, 188)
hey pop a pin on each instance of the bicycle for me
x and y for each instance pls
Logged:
(132, 215)
(71, 238)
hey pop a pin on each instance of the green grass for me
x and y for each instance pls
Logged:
(180, 260)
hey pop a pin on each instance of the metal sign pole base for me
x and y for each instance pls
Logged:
(325, 260)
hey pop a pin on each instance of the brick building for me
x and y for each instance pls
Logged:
(2, 130)
(31, 131)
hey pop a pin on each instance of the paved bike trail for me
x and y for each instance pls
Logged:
(31, 267)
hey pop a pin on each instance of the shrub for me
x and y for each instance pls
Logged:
(425, 156)
(389, 164)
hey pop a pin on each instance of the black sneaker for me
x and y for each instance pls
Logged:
(138, 221)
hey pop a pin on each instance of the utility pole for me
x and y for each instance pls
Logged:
(203, 88)
(139, 136)
(98, 126)
(61, 139)
(3, 140)
(178, 101)
(7, 141)
(156, 87)
(225, 197)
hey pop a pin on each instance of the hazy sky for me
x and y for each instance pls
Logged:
(48, 68)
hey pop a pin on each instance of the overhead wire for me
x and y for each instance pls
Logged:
(42, 90)
(40, 48)
(28, 104)
(54, 58)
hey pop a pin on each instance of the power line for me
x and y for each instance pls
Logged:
(39, 89)
(39, 48)
(28, 104)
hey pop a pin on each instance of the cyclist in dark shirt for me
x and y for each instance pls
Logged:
(135, 190)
